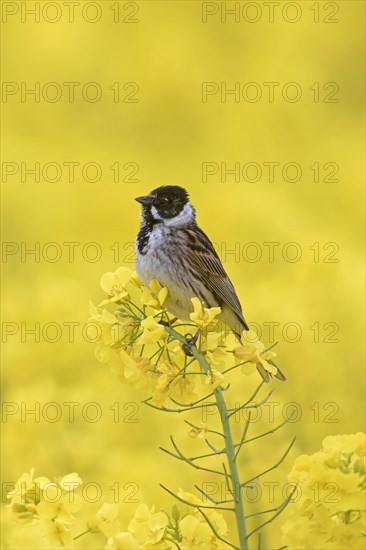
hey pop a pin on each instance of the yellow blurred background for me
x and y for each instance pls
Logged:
(161, 69)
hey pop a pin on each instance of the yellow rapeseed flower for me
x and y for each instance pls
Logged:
(195, 534)
(108, 327)
(253, 352)
(329, 513)
(106, 520)
(199, 432)
(215, 350)
(58, 504)
(154, 296)
(24, 497)
(148, 526)
(213, 378)
(183, 389)
(201, 315)
(172, 383)
(135, 369)
(56, 533)
(114, 284)
(153, 331)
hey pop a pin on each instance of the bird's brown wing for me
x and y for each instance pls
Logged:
(205, 261)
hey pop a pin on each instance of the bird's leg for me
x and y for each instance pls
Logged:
(191, 342)
(168, 323)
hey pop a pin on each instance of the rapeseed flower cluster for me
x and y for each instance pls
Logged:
(134, 342)
(52, 507)
(53, 504)
(330, 513)
(185, 529)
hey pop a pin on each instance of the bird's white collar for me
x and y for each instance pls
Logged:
(185, 217)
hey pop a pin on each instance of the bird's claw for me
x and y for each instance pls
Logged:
(187, 347)
(189, 343)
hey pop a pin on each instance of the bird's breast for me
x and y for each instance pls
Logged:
(156, 259)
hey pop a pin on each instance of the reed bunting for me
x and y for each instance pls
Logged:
(173, 249)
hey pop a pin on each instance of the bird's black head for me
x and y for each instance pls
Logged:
(168, 204)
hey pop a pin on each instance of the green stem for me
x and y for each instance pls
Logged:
(234, 474)
(82, 534)
(229, 445)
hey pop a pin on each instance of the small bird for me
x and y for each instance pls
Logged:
(172, 248)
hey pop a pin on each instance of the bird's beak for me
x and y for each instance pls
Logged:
(145, 200)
